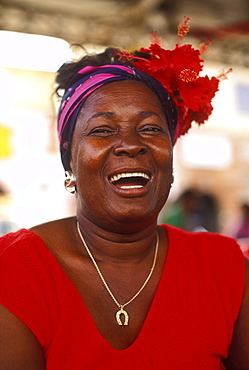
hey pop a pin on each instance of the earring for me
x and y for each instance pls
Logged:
(70, 182)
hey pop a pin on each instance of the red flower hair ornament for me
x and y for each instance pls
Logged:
(178, 70)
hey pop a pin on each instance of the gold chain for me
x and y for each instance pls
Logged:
(120, 306)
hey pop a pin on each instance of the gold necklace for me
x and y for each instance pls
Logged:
(121, 310)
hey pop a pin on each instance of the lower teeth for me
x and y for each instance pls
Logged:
(131, 186)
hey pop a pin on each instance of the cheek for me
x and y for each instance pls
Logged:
(167, 156)
(165, 168)
(86, 157)
(163, 155)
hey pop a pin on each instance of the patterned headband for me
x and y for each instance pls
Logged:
(85, 82)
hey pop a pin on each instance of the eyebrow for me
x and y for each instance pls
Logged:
(101, 114)
(112, 114)
(148, 113)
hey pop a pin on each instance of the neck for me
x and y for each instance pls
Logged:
(119, 246)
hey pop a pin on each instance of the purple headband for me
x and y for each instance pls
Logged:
(87, 80)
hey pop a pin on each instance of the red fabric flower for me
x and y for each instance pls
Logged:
(179, 72)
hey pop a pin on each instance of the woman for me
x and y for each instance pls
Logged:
(110, 288)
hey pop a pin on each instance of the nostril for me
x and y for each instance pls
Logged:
(130, 152)
(130, 149)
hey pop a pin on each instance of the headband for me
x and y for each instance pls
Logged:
(90, 78)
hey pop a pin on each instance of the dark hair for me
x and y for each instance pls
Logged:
(108, 56)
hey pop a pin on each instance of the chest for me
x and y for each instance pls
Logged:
(119, 305)
(171, 332)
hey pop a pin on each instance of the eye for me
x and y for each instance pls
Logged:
(151, 129)
(102, 131)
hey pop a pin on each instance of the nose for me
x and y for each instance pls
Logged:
(130, 144)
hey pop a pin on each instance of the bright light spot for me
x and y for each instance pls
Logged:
(6, 92)
(207, 151)
(32, 52)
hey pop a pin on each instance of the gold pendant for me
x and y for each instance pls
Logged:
(126, 316)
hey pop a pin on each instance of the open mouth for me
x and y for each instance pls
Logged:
(133, 180)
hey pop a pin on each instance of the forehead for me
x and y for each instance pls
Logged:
(127, 93)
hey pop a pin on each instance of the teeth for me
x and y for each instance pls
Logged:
(129, 174)
(131, 187)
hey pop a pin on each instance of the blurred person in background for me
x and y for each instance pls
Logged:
(208, 212)
(194, 211)
(242, 227)
(183, 212)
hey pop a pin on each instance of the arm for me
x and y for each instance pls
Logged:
(238, 356)
(19, 348)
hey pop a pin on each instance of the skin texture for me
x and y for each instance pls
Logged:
(121, 128)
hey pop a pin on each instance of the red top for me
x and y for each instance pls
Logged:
(189, 324)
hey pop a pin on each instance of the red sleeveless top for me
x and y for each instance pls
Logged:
(189, 325)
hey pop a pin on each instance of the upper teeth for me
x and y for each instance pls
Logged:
(128, 174)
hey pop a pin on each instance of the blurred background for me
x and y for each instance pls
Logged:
(211, 167)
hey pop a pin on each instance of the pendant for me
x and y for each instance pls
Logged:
(126, 316)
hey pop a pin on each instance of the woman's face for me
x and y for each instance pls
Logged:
(121, 156)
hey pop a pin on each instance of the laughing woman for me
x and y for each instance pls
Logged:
(110, 288)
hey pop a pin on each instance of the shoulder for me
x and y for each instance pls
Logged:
(14, 242)
(35, 251)
(26, 252)
(215, 255)
(30, 280)
(27, 290)
(52, 226)
(203, 242)
(22, 255)
(56, 234)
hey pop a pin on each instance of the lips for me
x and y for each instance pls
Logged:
(130, 180)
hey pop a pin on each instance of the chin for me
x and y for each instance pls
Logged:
(135, 220)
